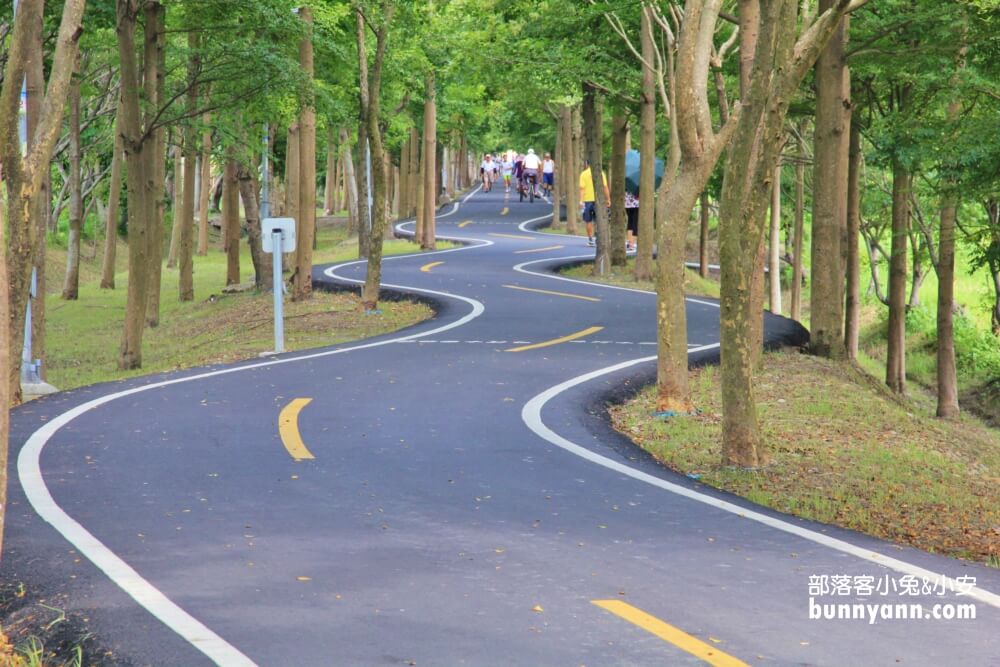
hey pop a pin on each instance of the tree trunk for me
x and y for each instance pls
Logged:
(429, 241)
(35, 82)
(799, 236)
(829, 199)
(647, 155)
(205, 191)
(292, 167)
(262, 267)
(774, 256)
(414, 182)
(619, 144)
(895, 372)
(558, 184)
(350, 183)
(567, 164)
(852, 311)
(403, 183)
(111, 222)
(593, 122)
(703, 236)
(156, 79)
(231, 221)
(306, 227)
(175, 226)
(71, 285)
(331, 171)
(186, 211)
(419, 226)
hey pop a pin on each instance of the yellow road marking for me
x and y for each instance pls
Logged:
(551, 247)
(505, 211)
(556, 341)
(669, 633)
(288, 427)
(465, 224)
(514, 236)
(545, 291)
(426, 268)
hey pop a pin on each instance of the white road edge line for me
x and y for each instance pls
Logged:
(114, 567)
(532, 416)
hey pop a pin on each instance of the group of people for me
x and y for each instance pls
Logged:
(523, 170)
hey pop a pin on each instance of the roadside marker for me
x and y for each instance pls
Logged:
(288, 428)
(545, 291)
(556, 341)
(669, 633)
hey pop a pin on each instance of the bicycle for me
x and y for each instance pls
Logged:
(526, 187)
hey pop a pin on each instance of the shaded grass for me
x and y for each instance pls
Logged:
(83, 336)
(843, 451)
(694, 284)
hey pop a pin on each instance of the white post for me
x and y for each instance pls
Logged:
(279, 302)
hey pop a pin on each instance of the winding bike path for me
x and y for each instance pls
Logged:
(446, 495)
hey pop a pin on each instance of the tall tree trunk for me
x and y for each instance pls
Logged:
(558, 184)
(703, 236)
(140, 190)
(71, 285)
(895, 372)
(429, 241)
(205, 191)
(619, 144)
(184, 217)
(774, 256)
(420, 215)
(416, 174)
(593, 123)
(35, 82)
(292, 167)
(111, 222)
(567, 164)
(852, 311)
(647, 154)
(350, 182)
(799, 234)
(175, 226)
(231, 221)
(829, 198)
(331, 170)
(403, 183)
(262, 266)
(156, 79)
(306, 227)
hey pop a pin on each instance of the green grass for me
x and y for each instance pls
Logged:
(83, 336)
(694, 284)
(842, 451)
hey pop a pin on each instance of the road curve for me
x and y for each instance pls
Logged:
(450, 494)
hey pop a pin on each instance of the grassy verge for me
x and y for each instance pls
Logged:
(82, 335)
(694, 284)
(843, 451)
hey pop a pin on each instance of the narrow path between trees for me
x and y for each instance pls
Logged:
(449, 494)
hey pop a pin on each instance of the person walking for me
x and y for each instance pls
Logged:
(548, 173)
(486, 168)
(588, 198)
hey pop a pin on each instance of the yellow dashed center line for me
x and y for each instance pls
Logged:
(505, 211)
(545, 291)
(556, 341)
(551, 247)
(465, 224)
(426, 268)
(514, 236)
(669, 633)
(288, 428)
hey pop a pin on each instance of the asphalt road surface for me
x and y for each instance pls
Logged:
(450, 494)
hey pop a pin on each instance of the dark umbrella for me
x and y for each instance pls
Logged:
(632, 172)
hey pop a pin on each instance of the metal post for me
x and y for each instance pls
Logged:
(279, 315)
(265, 185)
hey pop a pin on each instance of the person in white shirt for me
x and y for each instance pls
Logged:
(506, 169)
(548, 173)
(486, 169)
(531, 166)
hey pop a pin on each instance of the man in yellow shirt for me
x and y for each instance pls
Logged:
(588, 198)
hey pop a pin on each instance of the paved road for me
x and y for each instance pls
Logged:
(447, 495)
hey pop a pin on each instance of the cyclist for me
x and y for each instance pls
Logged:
(531, 166)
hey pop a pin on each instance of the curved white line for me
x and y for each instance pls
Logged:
(121, 573)
(520, 269)
(531, 414)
